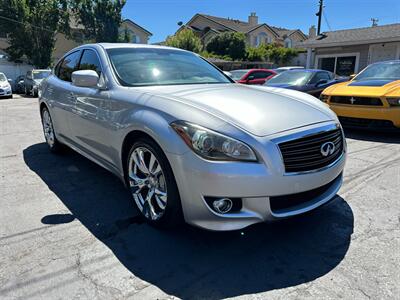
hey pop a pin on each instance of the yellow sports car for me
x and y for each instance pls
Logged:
(371, 99)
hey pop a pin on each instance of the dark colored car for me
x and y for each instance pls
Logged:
(252, 76)
(19, 84)
(33, 79)
(310, 81)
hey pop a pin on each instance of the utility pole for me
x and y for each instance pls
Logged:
(319, 15)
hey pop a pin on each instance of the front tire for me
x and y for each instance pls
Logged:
(49, 134)
(152, 184)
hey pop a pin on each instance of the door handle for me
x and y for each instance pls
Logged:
(71, 96)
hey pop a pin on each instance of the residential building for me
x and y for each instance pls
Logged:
(346, 52)
(256, 33)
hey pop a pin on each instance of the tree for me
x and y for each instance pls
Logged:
(271, 52)
(185, 39)
(228, 43)
(280, 55)
(259, 53)
(31, 26)
(100, 19)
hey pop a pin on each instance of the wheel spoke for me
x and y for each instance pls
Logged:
(138, 157)
(152, 162)
(149, 204)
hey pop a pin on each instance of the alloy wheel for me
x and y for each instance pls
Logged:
(48, 128)
(147, 183)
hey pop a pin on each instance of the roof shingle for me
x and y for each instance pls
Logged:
(355, 36)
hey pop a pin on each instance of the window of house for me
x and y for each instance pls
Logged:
(340, 65)
(262, 38)
(90, 61)
(288, 43)
(69, 64)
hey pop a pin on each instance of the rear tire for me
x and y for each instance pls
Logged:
(49, 134)
(152, 184)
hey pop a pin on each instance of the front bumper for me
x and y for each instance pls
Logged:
(254, 183)
(391, 114)
(5, 92)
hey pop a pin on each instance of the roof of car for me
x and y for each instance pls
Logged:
(307, 70)
(131, 45)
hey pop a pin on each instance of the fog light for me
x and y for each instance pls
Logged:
(223, 205)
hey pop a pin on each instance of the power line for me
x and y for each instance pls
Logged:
(24, 23)
(326, 20)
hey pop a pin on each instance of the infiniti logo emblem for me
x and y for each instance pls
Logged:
(327, 149)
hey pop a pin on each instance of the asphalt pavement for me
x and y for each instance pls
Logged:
(69, 231)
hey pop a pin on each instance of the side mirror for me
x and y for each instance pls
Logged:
(10, 80)
(321, 82)
(85, 78)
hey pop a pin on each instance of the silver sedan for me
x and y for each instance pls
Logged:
(188, 142)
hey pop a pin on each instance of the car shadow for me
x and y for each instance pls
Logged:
(189, 262)
(373, 135)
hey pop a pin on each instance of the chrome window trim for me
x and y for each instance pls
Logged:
(304, 134)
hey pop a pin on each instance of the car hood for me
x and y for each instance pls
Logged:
(370, 88)
(259, 110)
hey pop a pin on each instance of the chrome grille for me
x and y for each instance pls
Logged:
(356, 100)
(304, 154)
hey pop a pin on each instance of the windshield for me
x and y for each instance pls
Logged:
(151, 66)
(3, 77)
(40, 74)
(380, 71)
(237, 74)
(291, 77)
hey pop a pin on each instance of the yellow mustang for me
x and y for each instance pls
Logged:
(371, 99)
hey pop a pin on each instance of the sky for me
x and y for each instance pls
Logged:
(160, 17)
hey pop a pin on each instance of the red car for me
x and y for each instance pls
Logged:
(252, 76)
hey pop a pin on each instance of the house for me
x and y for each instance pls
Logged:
(63, 44)
(256, 33)
(137, 33)
(346, 52)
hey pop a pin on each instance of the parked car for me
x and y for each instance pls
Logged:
(310, 81)
(19, 84)
(283, 69)
(252, 76)
(5, 87)
(188, 141)
(33, 79)
(370, 100)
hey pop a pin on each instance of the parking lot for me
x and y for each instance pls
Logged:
(69, 230)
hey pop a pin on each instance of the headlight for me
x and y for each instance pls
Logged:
(393, 101)
(324, 98)
(212, 145)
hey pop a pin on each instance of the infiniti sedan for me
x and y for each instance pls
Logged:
(190, 143)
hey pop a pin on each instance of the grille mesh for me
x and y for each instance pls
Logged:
(356, 100)
(304, 154)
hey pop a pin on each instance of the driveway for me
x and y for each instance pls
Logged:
(69, 230)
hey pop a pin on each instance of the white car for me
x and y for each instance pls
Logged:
(5, 87)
